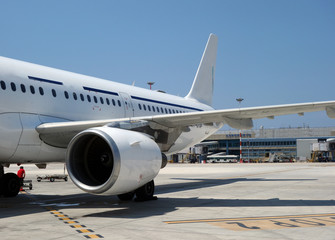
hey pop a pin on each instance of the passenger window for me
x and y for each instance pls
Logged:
(113, 101)
(95, 99)
(166, 111)
(173, 111)
(101, 100)
(169, 110)
(149, 108)
(32, 89)
(3, 85)
(74, 96)
(153, 109)
(139, 106)
(157, 109)
(162, 110)
(13, 86)
(88, 98)
(23, 88)
(66, 94)
(82, 97)
(145, 108)
(53, 91)
(107, 101)
(118, 101)
(41, 91)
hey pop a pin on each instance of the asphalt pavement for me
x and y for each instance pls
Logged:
(195, 201)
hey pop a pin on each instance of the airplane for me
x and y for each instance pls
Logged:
(114, 138)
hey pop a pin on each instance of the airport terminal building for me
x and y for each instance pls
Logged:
(285, 144)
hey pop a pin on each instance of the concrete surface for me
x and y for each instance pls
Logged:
(202, 201)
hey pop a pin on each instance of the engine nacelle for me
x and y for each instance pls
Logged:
(112, 161)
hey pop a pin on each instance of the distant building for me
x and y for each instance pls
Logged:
(262, 143)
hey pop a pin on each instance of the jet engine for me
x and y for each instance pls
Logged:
(112, 161)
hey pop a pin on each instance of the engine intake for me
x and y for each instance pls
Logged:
(112, 161)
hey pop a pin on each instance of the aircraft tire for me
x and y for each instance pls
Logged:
(146, 192)
(1, 175)
(126, 196)
(10, 185)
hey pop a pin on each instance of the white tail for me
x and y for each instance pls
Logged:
(202, 88)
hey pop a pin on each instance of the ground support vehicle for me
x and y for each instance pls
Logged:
(52, 177)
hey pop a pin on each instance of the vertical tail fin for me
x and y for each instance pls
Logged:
(202, 88)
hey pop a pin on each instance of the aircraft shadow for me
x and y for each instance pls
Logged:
(31, 203)
(196, 183)
(166, 205)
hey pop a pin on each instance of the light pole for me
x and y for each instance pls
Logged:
(239, 100)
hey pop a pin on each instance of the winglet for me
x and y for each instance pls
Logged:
(202, 88)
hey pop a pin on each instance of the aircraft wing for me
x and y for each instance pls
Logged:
(60, 134)
(238, 114)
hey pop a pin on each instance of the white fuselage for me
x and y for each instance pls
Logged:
(31, 94)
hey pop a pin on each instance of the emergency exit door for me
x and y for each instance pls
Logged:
(128, 106)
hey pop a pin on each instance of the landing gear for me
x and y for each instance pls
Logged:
(144, 193)
(1, 175)
(126, 196)
(9, 185)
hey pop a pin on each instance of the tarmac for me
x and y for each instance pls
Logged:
(195, 201)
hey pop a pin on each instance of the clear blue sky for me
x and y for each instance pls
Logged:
(270, 52)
